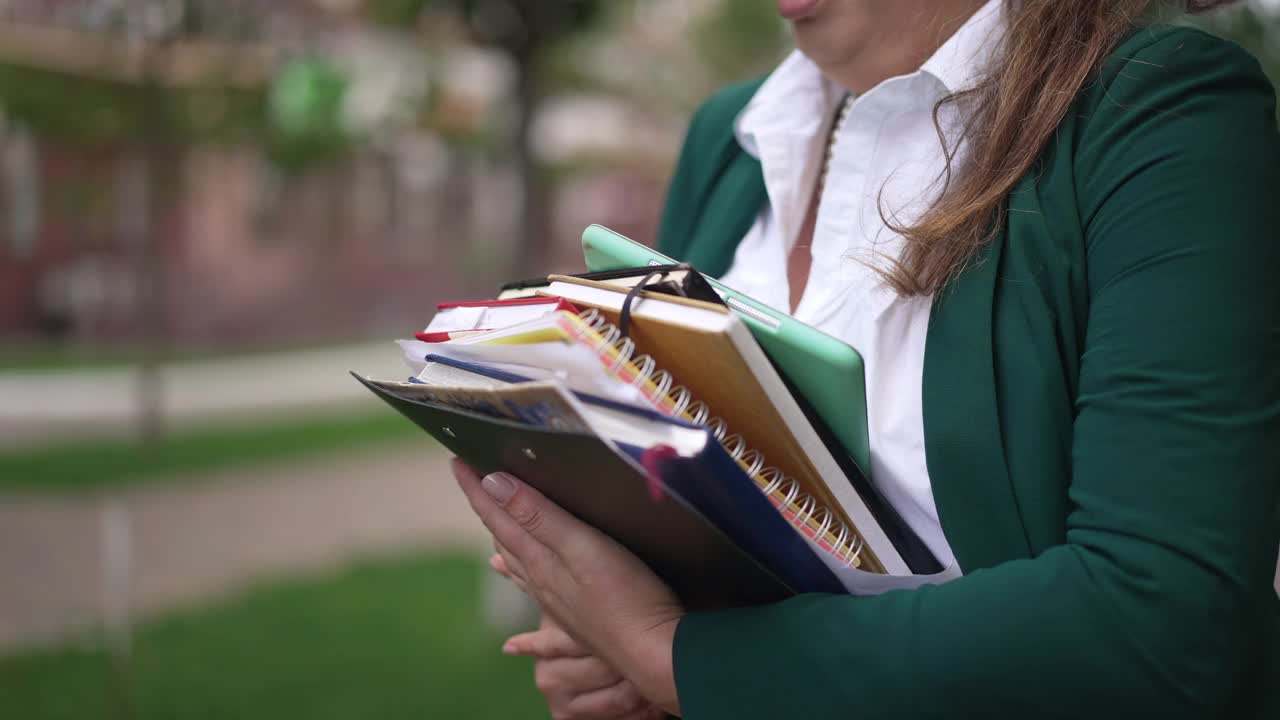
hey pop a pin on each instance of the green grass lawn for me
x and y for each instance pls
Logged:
(397, 638)
(50, 356)
(100, 463)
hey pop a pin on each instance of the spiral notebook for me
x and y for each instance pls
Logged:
(711, 366)
(715, 356)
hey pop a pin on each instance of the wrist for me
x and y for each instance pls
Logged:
(653, 664)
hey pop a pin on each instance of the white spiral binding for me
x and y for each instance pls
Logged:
(848, 545)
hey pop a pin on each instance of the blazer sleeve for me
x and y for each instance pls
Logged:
(1161, 597)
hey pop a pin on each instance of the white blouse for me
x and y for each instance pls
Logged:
(886, 156)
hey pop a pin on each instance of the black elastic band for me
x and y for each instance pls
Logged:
(624, 321)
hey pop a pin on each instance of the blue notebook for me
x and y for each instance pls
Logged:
(717, 486)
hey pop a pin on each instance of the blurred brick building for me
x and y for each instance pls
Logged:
(250, 253)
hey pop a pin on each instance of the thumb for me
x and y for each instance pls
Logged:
(531, 511)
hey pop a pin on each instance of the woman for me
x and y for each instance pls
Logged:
(1051, 228)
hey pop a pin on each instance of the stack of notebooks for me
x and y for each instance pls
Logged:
(645, 401)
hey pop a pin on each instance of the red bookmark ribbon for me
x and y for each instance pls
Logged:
(652, 460)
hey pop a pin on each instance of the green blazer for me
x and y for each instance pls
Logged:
(1102, 426)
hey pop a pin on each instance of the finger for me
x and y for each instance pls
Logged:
(501, 568)
(518, 574)
(566, 678)
(517, 514)
(619, 700)
(512, 563)
(505, 529)
(545, 643)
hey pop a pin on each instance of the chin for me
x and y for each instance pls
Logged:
(833, 34)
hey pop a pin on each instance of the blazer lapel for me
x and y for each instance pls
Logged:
(718, 189)
(730, 210)
(964, 445)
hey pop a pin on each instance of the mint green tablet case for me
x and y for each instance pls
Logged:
(825, 371)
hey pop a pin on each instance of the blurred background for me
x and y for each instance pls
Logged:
(210, 210)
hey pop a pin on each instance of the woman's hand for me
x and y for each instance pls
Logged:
(577, 684)
(604, 596)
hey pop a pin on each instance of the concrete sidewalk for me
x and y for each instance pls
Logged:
(38, 406)
(69, 563)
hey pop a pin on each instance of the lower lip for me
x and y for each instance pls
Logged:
(797, 9)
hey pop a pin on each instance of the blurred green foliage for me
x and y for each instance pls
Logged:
(95, 464)
(399, 638)
(520, 27)
(742, 39)
(100, 111)
(395, 13)
(297, 117)
(305, 110)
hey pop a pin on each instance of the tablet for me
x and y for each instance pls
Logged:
(824, 372)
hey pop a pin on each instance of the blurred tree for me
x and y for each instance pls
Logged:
(526, 30)
(143, 78)
(164, 153)
(94, 82)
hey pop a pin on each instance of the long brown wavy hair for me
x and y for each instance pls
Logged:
(1052, 50)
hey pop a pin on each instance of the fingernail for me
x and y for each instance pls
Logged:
(508, 649)
(500, 487)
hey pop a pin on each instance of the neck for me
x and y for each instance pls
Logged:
(915, 34)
